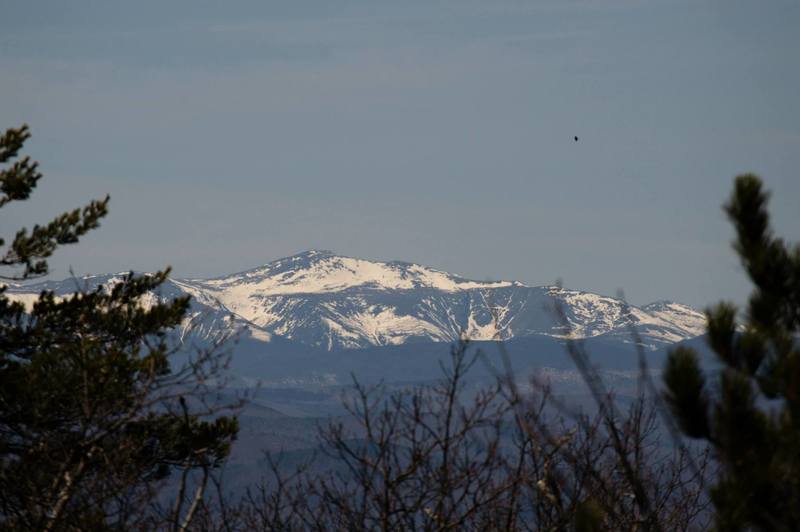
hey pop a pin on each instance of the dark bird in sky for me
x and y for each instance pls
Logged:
(576, 139)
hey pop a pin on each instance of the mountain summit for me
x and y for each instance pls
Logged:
(331, 301)
(320, 272)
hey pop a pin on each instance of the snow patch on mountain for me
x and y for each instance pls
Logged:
(690, 321)
(316, 272)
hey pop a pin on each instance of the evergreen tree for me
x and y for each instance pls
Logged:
(93, 418)
(751, 414)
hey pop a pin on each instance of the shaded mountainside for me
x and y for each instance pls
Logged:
(333, 303)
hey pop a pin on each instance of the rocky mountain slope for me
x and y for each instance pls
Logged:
(333, 302)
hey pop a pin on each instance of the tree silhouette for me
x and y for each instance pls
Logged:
(92, 415)
(750, 412)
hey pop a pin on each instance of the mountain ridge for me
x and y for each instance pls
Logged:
(332, 301)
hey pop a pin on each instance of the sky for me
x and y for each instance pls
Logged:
(441, 132)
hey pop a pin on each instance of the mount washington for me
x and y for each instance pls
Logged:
(330, 302)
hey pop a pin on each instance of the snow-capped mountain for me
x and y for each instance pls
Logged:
(325, 300)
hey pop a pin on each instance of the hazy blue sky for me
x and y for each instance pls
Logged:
(232, 133)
